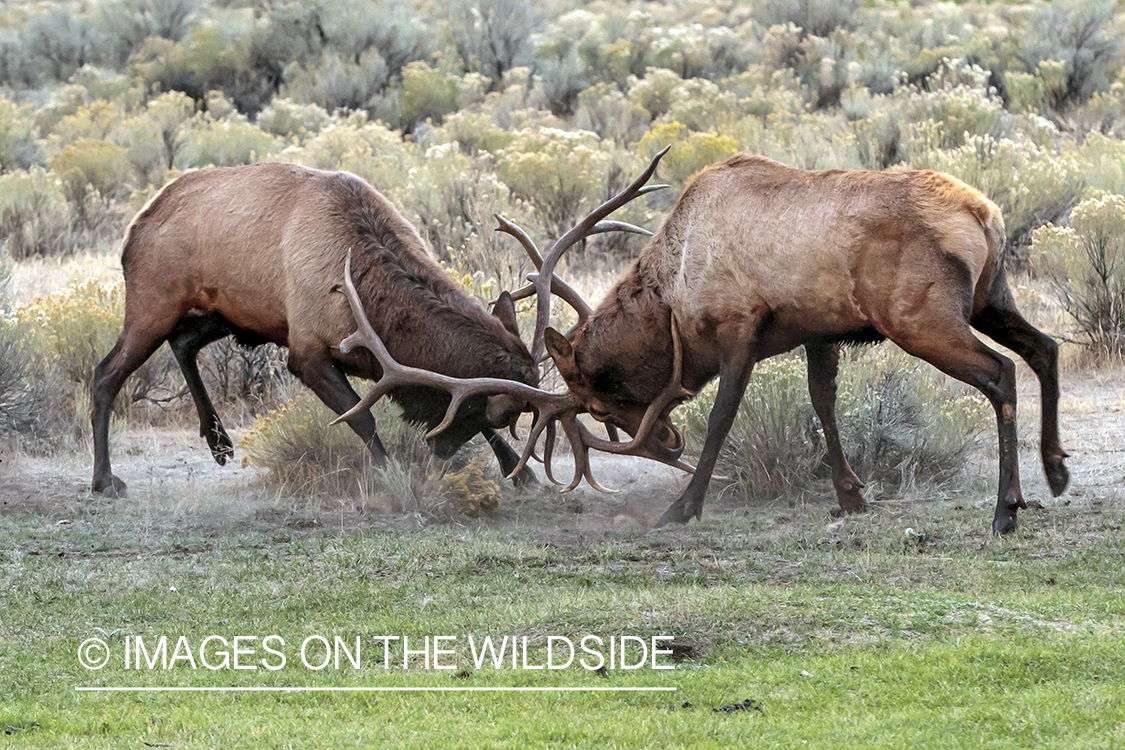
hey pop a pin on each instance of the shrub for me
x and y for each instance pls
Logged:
(1025, 91)
(474, 132)
(225, 144)
(171, 112)
(72, 330)
(772, 447)
(18, 146)
(29, 396)
(34, 215)
(337, 82)
(368, 149)
(1078, 37)
(470, 490)
(902, 424)
(492, 36)
(604, 110)
(90, 165)
(301, 450)
(657, 91)
(252, 378)
(1087, 264)
(955, 104)
(560, 172)
(819, 17)
(1104, 160)
(91, 121)
(427, 93)
(288, 119)
(690, 151)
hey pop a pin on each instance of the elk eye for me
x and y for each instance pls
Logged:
(599, 414)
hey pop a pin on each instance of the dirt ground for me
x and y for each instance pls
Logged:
(171, 475)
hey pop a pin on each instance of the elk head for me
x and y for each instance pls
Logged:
(642, 421)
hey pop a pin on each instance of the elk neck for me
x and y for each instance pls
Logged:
(425, 318)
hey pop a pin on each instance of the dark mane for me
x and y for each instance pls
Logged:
(421, 311)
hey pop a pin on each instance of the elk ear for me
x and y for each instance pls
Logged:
(562, 352)
(505, 311)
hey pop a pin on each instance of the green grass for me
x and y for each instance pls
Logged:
(850, 635)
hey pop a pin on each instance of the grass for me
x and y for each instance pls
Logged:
(850, 634)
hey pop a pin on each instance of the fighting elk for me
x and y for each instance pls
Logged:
(255, 252)
(758, 258)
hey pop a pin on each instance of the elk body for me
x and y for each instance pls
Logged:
(758, 258)
(256, 252)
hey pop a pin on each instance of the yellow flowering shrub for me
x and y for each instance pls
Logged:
(690, 151)
(562, 173)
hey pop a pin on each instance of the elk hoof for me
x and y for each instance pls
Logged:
(1058, 477)
(113, 489)
(848, 509)
(526, 478)
(850, 500)
(221, 446)
(1002, 525)
(678, 513)
(1005, 520)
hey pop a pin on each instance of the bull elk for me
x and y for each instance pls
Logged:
(757, 258)
(255, 252)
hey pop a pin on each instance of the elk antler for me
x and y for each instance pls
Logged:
(582, 229)
(548, 407)
(559, 288)
(396, 375)
(545, 282)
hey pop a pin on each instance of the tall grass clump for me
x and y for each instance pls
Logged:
(903, 425)
(66, 334)
(301, 451)
(1086, 264)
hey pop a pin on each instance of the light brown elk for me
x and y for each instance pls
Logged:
(256, 252)
(758, 258)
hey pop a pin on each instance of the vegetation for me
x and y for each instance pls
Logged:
(904, 427)
(850, 635)
(539, 112)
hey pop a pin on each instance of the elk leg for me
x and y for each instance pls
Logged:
(959, 354)
(734, 373)
(133, 348)
(508, 459)
(1006, 326)
(824, 362)
(328, 382)
(191, 335)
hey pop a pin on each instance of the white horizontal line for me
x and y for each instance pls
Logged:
(310, 689)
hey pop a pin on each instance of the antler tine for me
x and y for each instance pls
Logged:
(510, 227)
(548, 450)
(603, 227)
(544, 420)
(581, 456)
(573, 235)
(558, 287)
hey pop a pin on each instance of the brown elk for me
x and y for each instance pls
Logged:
(255, 252)
(758, 258)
